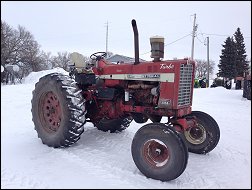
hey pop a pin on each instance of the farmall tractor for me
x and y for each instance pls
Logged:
(112, 95)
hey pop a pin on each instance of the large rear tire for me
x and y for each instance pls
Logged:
(139, 117)
(155, 118)
(159, 152)
(113, 125)
(204, 137)
(58, 110)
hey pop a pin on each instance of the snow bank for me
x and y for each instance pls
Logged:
(34, 77)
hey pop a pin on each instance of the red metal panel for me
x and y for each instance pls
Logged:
(167, 93)
(144, 67)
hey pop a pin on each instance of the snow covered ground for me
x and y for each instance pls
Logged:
(103, 160)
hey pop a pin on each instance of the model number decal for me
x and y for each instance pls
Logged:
(146, 76)
(162, 77)
(165, 102)
(164, 66)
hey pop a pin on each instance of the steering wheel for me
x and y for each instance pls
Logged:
(98, 55)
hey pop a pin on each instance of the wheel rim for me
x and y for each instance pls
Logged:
(50, 112)
(196, 135)
(155, 153)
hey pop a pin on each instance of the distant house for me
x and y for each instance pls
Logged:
(121, 59)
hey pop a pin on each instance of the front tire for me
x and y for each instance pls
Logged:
(58, 110)
(204, 137)
(159, 152)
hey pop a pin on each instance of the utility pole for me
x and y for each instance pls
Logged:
(193, 34)
(107, 39)
(207, 62)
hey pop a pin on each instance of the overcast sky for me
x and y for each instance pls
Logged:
(81, 26)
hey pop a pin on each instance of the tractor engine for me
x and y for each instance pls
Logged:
(109, 101)
(142, 93)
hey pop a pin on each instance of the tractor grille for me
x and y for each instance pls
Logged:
(185, 84)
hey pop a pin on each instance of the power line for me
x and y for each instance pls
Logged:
(201, 36)
(215, 34)
(178, 39)
(145, 53)
(220, 35)
(200, 40)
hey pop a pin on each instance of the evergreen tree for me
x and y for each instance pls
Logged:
(227, 67)
(241, 63)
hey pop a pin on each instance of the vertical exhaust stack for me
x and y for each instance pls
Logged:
(136, 42)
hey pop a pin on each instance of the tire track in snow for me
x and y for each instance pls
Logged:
(96, 149)
(15, 180)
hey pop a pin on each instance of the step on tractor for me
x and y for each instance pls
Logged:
(112, 95)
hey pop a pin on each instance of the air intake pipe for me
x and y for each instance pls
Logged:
(136, 42)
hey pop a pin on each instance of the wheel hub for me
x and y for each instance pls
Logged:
(196, 135)
(50, 113)
(155, 153)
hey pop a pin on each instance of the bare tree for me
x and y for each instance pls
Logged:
(7, 39)
(46, 60)
(29, 53)
(18, 47)
(62, 60)
(201, 68)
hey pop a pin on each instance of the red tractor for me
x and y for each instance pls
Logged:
(112, 95)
